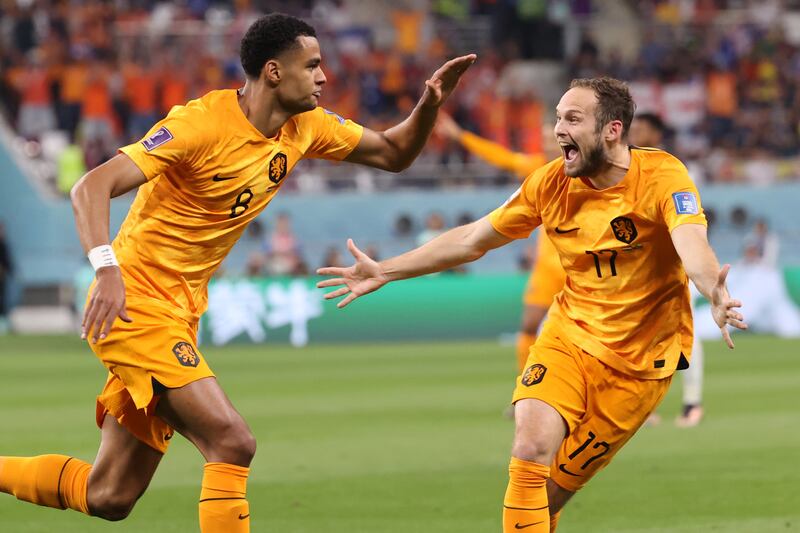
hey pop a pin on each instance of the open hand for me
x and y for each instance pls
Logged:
(723, 307)
(106, 304)
(364, 277)
(445, 79)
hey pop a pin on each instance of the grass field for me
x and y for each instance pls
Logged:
(410, 438)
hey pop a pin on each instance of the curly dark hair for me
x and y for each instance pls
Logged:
(614, 101)
(268, 37)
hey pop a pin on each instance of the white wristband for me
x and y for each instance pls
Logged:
(102, 256)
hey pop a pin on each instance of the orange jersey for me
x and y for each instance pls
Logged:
(210, 172)
(547, 276)
(626, 298)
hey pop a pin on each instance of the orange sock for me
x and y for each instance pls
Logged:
(524, 343)
(525, 504)
(51, 480)
(554, 521)
(223, 503)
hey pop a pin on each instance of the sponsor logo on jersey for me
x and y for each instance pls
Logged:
(533, 374)
(624, 229)
(278, 167)
(338, 117)
(186, 354)
(158, 138)
(685, 203)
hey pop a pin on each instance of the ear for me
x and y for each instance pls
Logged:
(272, 72)
(613, 131)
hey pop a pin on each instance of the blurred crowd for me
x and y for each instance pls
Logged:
(78, 79)
(727, 82)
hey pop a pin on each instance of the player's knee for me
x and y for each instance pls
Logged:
(111, 505)
(237, 446)
(533, 449)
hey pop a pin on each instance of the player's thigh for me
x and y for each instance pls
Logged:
(203, 413)
(617, 406)
(124, 464)
(549, 395)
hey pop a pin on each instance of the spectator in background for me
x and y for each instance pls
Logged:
(97, 126)
(73, 82)
(283, 250)
(333, 257)
(403, 226)
(6, 269)
(141, 98)
(763, 244)
(434, 226)
(36, 115)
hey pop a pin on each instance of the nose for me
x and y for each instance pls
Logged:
(321, 79)
(558, 129)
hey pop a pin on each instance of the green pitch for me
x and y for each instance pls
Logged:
(410, 438)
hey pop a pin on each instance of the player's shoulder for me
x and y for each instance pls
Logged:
(200, 109)
(549, 176)
(317, 115)
(651, 159)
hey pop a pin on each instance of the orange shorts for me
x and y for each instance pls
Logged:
(546, 280)
(602, 407)
(157, 350)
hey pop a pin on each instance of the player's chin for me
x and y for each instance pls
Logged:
(572, 168)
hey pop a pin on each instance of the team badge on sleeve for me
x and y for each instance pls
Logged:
(685, 203)
(158, 138)
(533, 374)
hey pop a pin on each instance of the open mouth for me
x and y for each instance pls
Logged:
(571, 152)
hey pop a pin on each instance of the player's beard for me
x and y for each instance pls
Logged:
(593, 161)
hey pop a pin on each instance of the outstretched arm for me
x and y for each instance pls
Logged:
(702, 267)
(455, 247)
(396, 148)
(493, 153)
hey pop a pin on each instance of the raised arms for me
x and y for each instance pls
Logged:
(396, 148)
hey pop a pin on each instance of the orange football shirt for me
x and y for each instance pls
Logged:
(626, 298)
(210, 172)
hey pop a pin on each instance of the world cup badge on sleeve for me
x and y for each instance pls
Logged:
(685, 203)
(159, 137)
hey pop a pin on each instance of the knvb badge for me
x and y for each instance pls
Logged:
(685, 203)
(158, 138)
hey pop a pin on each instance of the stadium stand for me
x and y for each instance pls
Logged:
(80, 79)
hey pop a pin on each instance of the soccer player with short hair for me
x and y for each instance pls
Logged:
(628, 226)
(202, 173)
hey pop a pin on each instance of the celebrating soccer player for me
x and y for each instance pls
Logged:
(203, 173)
(628, 225)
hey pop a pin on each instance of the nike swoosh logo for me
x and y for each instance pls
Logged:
(520, 526)
(570, 230)
(243, 516)
(223, 178)
(563, 469)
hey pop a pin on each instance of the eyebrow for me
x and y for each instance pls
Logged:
(314, 61)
